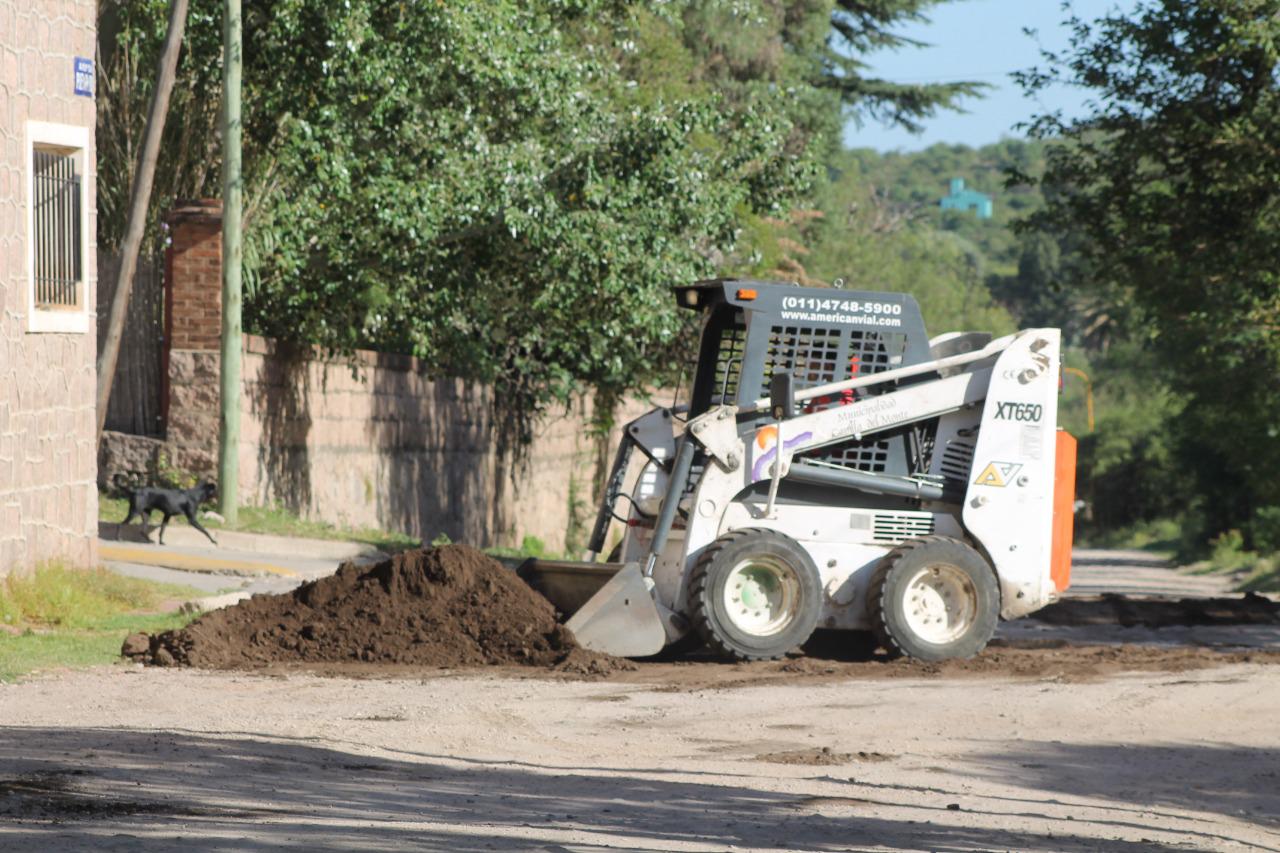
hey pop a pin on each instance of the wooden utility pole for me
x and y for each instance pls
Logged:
(232, 256)
(139, 199)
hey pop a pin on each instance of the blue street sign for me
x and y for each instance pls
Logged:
(84, 76)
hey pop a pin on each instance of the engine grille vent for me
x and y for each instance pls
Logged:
(890, 528)
(957, 461)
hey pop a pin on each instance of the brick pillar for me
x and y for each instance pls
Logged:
(193, 323)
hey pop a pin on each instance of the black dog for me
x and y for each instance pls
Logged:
(171, 502)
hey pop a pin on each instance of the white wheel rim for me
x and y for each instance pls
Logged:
(760, 595)
(941, 603)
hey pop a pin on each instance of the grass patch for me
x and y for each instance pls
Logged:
(530, 546)
(1163, 536)
(69, 617)
(277, 521)
(36, 650)
(1255, 572)
(55, 595)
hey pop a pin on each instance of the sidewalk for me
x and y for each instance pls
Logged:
(240, 565)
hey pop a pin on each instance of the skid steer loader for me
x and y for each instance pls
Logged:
(834, 468)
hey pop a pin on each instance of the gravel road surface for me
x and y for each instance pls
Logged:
(1045, 744)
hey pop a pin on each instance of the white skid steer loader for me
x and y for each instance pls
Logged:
(837, 469)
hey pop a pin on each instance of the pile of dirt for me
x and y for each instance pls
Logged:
(446, 607)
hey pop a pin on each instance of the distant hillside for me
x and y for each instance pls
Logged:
(918, 180)
(881, 227)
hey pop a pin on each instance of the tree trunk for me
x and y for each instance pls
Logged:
(138, 201)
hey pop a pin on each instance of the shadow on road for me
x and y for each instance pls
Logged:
(1228, 780)
(131, 790)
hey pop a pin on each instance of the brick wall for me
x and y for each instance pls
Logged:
(194, 308)
(193, 321)
(48, 503)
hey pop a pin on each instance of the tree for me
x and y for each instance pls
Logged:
(884, 239)
(131, 35)
(139, 204)
(508, 190)
(861, 26)
(1172, 179)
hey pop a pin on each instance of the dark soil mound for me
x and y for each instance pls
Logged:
(1114, 609)
(437, 607)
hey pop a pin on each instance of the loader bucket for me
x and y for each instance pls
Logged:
(610, 606)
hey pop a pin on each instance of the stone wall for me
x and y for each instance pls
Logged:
(48, 503)
(374, 440)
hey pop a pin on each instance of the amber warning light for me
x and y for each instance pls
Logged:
(746, 294)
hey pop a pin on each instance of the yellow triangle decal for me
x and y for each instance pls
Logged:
(990, 476)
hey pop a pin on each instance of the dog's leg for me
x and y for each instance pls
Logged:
(191, 519)
(146, 525)
(163, 525)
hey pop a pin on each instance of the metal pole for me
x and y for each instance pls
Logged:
(232, 201)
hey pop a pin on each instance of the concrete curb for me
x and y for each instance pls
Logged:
(182, 536)
(217, 602)
(143, 556)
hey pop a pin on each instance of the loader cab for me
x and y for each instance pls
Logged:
(754, 329)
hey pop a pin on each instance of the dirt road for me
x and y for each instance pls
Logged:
(163, 759)
(1041, 744)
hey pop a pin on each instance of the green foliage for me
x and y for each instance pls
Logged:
(1173, 185)
(1264, 529)
(1253, 571)
(58, 595)
(1130, 468)
(97, 644)
(508, 190)
(1227, 551)
(1161, 536)
(860, 26)
(130, 35)
(171, 476)
(530, 546)
(878, 232)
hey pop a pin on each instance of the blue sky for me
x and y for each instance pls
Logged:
(977, 40)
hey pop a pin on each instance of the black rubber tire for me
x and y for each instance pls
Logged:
(887, 601)
(706, 595)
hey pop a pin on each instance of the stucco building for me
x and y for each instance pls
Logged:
(48, 498)
(961, 198)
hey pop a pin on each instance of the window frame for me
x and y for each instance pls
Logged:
(52, 320)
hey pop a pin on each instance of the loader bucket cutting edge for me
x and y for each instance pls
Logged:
(621, 618)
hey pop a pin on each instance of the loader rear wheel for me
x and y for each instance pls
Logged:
(934, 598)
(754, 595)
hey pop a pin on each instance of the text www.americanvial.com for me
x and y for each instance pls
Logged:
(863, 319)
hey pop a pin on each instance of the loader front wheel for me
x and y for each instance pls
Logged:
(754, 594)
(934, 598)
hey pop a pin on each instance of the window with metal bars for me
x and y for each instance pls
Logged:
(56, 217)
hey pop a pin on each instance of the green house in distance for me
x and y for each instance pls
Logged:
(963, 199)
